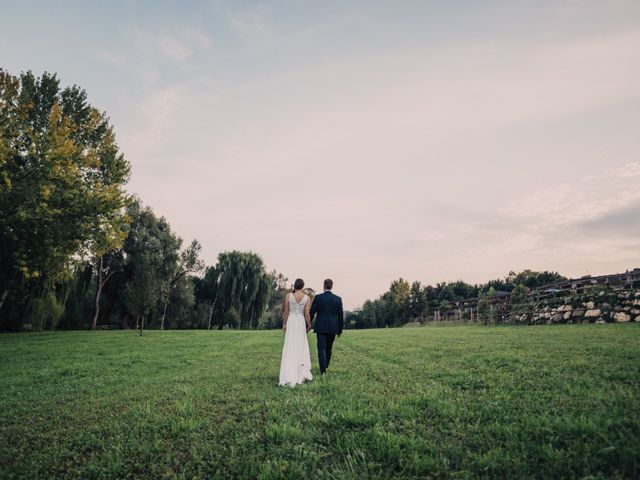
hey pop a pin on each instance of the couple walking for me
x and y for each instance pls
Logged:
(299, 312)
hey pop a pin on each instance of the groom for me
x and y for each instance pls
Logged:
(329, 322)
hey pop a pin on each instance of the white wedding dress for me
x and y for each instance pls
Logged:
(295, 366)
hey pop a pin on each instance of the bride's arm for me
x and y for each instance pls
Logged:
(307, 316)
(285, 313)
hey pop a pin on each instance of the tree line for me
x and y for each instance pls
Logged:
(410, 302)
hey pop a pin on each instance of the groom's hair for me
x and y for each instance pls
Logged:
(328, 284)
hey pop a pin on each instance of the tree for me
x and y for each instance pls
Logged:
(143, 287)
(61, 180)
(180, 310)
(418, 301)
(106, 265)
(462, 290)
(502, 285)
(279, 289)
(206, 292)
(519, 294)
(445, 293)
(81, 298)
(399, 297)
(444, 306)
(189, 263)
(151, 251)
(242, 284)
(531, 279)
(232, 317)
(484, 310)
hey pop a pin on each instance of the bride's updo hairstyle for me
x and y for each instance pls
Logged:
(298, 284)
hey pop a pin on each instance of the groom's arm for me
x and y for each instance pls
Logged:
(340, 317)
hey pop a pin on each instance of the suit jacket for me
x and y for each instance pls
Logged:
(330, 318)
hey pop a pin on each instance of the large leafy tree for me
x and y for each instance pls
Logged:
(62, 180)
(189, 262)
(243, 287)
(151, 252)
(399, 299)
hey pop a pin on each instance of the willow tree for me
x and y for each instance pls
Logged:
(207, 292)
(242, 284)
(62, 180)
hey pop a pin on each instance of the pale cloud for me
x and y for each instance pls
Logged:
(110, 57)
(250, 25)
(156, 117)
(624, 220)
(630, 170)
(200, 38)
(581, 201)
(173, 48)
(178, 46)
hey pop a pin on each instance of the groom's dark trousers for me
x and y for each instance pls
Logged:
(325, 342)
(328, 324)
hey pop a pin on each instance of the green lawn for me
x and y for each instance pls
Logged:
(455, 402)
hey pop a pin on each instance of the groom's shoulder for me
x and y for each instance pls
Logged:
(321, 295)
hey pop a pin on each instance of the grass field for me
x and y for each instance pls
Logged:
(454, 402)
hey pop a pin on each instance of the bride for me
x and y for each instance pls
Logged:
(295, 366)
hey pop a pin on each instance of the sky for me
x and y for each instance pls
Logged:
(363, 140)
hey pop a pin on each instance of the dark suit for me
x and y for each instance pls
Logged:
(329, 322)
